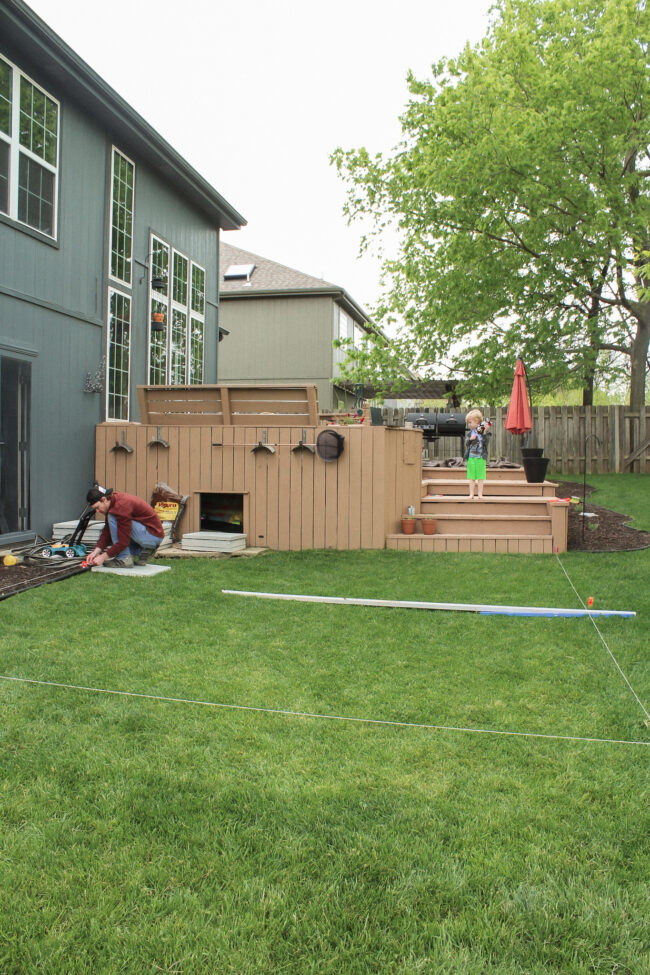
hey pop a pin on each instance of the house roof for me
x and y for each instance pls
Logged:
(51, 58)
(270, 279)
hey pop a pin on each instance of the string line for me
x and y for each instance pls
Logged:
(325, 717)
(604, 641)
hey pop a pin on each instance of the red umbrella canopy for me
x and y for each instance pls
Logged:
(518, 418)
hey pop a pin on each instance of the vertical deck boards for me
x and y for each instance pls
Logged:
(292, 499)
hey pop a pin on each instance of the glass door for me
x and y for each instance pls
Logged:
(15, 400)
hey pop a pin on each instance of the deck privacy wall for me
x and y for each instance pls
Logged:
(292, 498)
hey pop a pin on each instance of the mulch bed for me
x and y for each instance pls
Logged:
(607, 532)
(18, 578)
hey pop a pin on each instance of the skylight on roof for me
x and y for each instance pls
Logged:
(238, 271)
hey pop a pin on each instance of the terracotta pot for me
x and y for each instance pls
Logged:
(429, 526)
(408, 526)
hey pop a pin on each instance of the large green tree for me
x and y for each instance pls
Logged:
(521, 196)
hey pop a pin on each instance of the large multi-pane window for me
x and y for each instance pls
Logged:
(123, 173)
(119, 351)
(177, 291)
(29, 150)
(197, 325)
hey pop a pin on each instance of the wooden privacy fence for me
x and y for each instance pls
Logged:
(608, 439)
(231, 405)
(290, 497)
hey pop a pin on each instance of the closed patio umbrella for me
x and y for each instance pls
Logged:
(518, 417)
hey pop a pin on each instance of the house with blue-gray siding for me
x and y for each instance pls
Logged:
(109, 264)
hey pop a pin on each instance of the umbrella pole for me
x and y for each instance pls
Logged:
(589, 437)
(530, 402)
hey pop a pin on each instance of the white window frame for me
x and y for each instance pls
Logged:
(197, 316)
(16, 149)
(122, 294)
(121, 281)
(345, 320)
(162, 299)
(171, 306)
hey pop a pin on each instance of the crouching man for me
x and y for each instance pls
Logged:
(132, 533)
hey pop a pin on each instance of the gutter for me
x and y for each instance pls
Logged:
(340, 294)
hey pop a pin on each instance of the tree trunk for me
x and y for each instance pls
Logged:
(588, 390)
(638, 359)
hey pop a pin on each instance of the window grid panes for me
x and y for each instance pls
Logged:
(122, 218)
(179, 288)
(158, 348)
(29, 132)
(176, 355)
(119, 340)
(159, 266)
(198, 289)
(36, 195)
(39, 120)
(6, 78)
(4, 177)
(196, 351)
(178, 348)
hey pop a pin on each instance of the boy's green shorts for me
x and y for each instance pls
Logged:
(475, 468)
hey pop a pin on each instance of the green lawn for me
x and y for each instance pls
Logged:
(145, 836)
(627, 493)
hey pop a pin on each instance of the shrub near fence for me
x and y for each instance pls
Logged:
(610, 439)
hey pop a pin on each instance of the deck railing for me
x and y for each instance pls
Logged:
(228, 405)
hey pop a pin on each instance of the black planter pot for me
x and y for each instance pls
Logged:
(535, 469)
(532, 451)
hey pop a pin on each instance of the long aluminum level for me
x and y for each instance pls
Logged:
(484, 610)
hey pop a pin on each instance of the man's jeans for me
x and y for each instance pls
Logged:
(140, 538)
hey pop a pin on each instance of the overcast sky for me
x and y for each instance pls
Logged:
(256, 95)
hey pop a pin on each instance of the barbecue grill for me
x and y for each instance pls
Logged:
(436, 425)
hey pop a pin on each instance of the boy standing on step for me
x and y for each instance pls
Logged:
(476, 451)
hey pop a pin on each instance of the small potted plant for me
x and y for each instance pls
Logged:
(408, 524)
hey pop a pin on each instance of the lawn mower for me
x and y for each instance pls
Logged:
(71, 547)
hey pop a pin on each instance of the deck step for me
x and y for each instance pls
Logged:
(517, 488)
(470, 524)
(489, 506)
(492, 473)
(507, 544)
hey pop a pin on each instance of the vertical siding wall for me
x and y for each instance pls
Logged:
(292, 499)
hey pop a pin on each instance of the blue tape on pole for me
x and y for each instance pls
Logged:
(568, 614)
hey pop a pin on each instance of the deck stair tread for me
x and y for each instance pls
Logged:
(470, 535)
(492, 473)
(482, 517)
(492, 489)
(487, 499)
(488, 543)
(500, 482)
(488, 507)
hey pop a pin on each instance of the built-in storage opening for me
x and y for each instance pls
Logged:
(222, 512)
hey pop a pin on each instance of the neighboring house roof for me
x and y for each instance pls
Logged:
(269, 279)
(51, 56)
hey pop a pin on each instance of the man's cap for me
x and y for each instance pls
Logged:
(97, 493)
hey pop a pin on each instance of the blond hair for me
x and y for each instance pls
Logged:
(474, 415)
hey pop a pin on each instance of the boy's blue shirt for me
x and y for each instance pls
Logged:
(477, 442)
